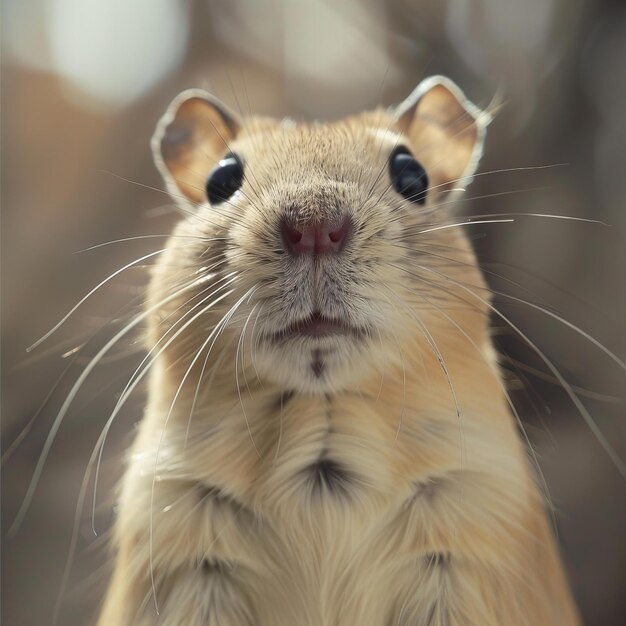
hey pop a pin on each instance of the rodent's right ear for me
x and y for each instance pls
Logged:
(445, 130)
(189, 140)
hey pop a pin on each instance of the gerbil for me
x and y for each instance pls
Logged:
(328, 439)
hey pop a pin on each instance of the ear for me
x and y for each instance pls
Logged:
(445, 131)
(190, 139)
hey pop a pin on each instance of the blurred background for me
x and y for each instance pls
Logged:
(83, 84)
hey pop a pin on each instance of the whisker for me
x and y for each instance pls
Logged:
(89, 294)
(70, 398)
(242, 340)
(214, 370)
(442, 364)
(553, 216)
(169, 414)
(581, 391)
(6, 455)
(280, 428)
(254, 345)
(243, 410)
(468, 222)
(511, 192)
(179, 207)
(138, 237)
(501, 171)
(139, 374)
(563, 321)
(612, 454)
(512, 407)
(537, 307)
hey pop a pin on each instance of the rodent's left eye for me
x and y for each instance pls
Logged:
(224, 179)
(408, 177)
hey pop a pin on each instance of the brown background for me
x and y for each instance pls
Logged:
(68, 137)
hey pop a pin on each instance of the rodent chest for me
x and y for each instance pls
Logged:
(303, 452)
(308, 462)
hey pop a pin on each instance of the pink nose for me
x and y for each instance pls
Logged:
(318, 238)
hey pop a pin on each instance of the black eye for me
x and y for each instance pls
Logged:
(224, 179)
(408, 177)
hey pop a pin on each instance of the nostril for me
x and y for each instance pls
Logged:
(294, 235)
(339, 235)
(336, 236)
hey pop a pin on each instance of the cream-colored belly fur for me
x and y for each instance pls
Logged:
(421, 514)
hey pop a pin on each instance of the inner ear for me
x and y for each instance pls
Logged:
(190, 139)
(445, 131)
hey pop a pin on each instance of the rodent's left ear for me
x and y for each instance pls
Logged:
(190, 139)
(445, 131)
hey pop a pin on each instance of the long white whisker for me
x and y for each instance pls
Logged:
(435, 349)
(70, 398)
(243, 334)
(243, 410)
(537, 307)
(169, 414)
(509, 402)
(586, 335)
(139, 237)
(254, 345)
(468, 222)
(215, 369)
(89, 294)
(572, 396)
(139, 374)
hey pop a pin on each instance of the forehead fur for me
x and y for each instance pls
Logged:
(321, 148)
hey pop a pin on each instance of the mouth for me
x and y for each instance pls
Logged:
(317, 326)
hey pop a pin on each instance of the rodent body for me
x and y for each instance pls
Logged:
(368, 475)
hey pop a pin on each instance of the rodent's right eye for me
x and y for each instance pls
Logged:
(408, 176)
(224, 179)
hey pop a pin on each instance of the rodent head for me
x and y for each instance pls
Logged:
(326, 238)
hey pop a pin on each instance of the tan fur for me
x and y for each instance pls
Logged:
(439, 521)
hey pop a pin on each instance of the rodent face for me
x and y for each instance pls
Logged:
(327, 311)
(325, 175)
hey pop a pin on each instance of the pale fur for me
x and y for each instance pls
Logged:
(440, 521)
